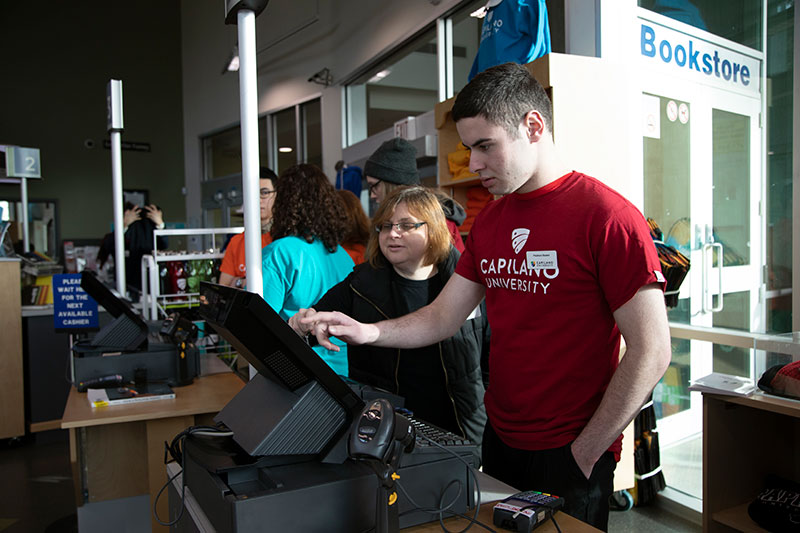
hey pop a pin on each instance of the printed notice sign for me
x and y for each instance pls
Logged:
(73, 309)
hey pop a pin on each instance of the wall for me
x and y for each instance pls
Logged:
(57, 60)
(294, 39)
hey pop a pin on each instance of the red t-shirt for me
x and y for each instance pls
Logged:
(555, 343)
(233, 262)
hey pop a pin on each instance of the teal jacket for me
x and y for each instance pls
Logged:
(296, 275)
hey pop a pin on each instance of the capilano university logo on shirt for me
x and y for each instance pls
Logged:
(518, 238)
(518, 274)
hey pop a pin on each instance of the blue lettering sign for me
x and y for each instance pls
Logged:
(706, 64)
(693, 57)
(73, 309)
(680, 51)
(648, 38)
(690, 55)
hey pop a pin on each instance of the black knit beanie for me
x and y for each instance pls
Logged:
(394, 161)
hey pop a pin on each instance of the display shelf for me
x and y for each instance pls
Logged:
(745, 439)
(161, 258)
(738, 519)
(154, 304)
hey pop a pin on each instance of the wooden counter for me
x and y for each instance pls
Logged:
(118, 451)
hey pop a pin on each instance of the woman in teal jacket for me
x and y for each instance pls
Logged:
(305, 259)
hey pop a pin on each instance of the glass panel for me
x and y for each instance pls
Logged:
(739, 21)
(466, 38)
(42, 231)
(681, 440)
(667, 152)
(780, 69)
(223, 153)
(671, 395)
(403, 85)
(285, 138)
(731, 174)
(311, 116)
(734, 315)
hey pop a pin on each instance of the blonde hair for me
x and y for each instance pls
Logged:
(424, 205)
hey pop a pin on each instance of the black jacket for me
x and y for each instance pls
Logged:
(138, 242)
(366, 296)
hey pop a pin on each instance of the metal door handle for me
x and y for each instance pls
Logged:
(718, 247)
(708, 264)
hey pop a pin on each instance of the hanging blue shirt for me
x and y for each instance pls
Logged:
(296, 275)
(515, 31)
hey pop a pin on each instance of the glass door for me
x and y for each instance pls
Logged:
(702, 186)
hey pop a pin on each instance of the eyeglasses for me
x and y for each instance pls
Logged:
(374, 186)
(402, 227)
(266, 192)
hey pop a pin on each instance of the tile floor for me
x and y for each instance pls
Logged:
(37, 493)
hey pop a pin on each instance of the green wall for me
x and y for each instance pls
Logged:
(56, 59)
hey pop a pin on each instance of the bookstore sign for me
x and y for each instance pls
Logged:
(73, 308)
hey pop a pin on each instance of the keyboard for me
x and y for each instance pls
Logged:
(425, 451)
(428, 432)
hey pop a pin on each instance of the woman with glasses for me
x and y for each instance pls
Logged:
(409, 259)
(232, 271)
(393, 165)
(305, 259)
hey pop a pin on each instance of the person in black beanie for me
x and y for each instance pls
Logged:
(394, 164)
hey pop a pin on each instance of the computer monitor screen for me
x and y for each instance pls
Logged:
(296, 405)
(128, 331)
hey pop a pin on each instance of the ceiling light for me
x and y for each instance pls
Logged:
(232, 64)
(285, 149)
(379, 76)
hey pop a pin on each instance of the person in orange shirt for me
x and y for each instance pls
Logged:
(358, 226)
(232, 271)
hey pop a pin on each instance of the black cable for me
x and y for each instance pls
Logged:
(441, 510)
(175, 449)
(183, 492)
(553, 518)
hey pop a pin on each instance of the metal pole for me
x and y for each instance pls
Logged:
(248, 106)
(26, 239)
(119, 221)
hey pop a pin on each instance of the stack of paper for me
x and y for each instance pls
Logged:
(122, 395)
(718, 383)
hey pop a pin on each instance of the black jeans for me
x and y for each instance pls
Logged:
(553, 471)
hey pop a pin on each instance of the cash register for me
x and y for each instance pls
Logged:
(129, 350)
(286, 465)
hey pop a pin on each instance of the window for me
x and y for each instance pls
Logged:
(403, 85)
(739, 21)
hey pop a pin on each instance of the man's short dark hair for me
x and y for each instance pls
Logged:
(266, 173)
(503, 95)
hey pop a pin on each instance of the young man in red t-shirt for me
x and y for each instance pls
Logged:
(566, 265)
(232, 271)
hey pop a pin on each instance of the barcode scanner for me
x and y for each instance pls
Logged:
(380, 436)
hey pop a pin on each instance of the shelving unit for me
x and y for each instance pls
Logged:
(12, 384)
(590, 123)
(152, 300)
(744, 440)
